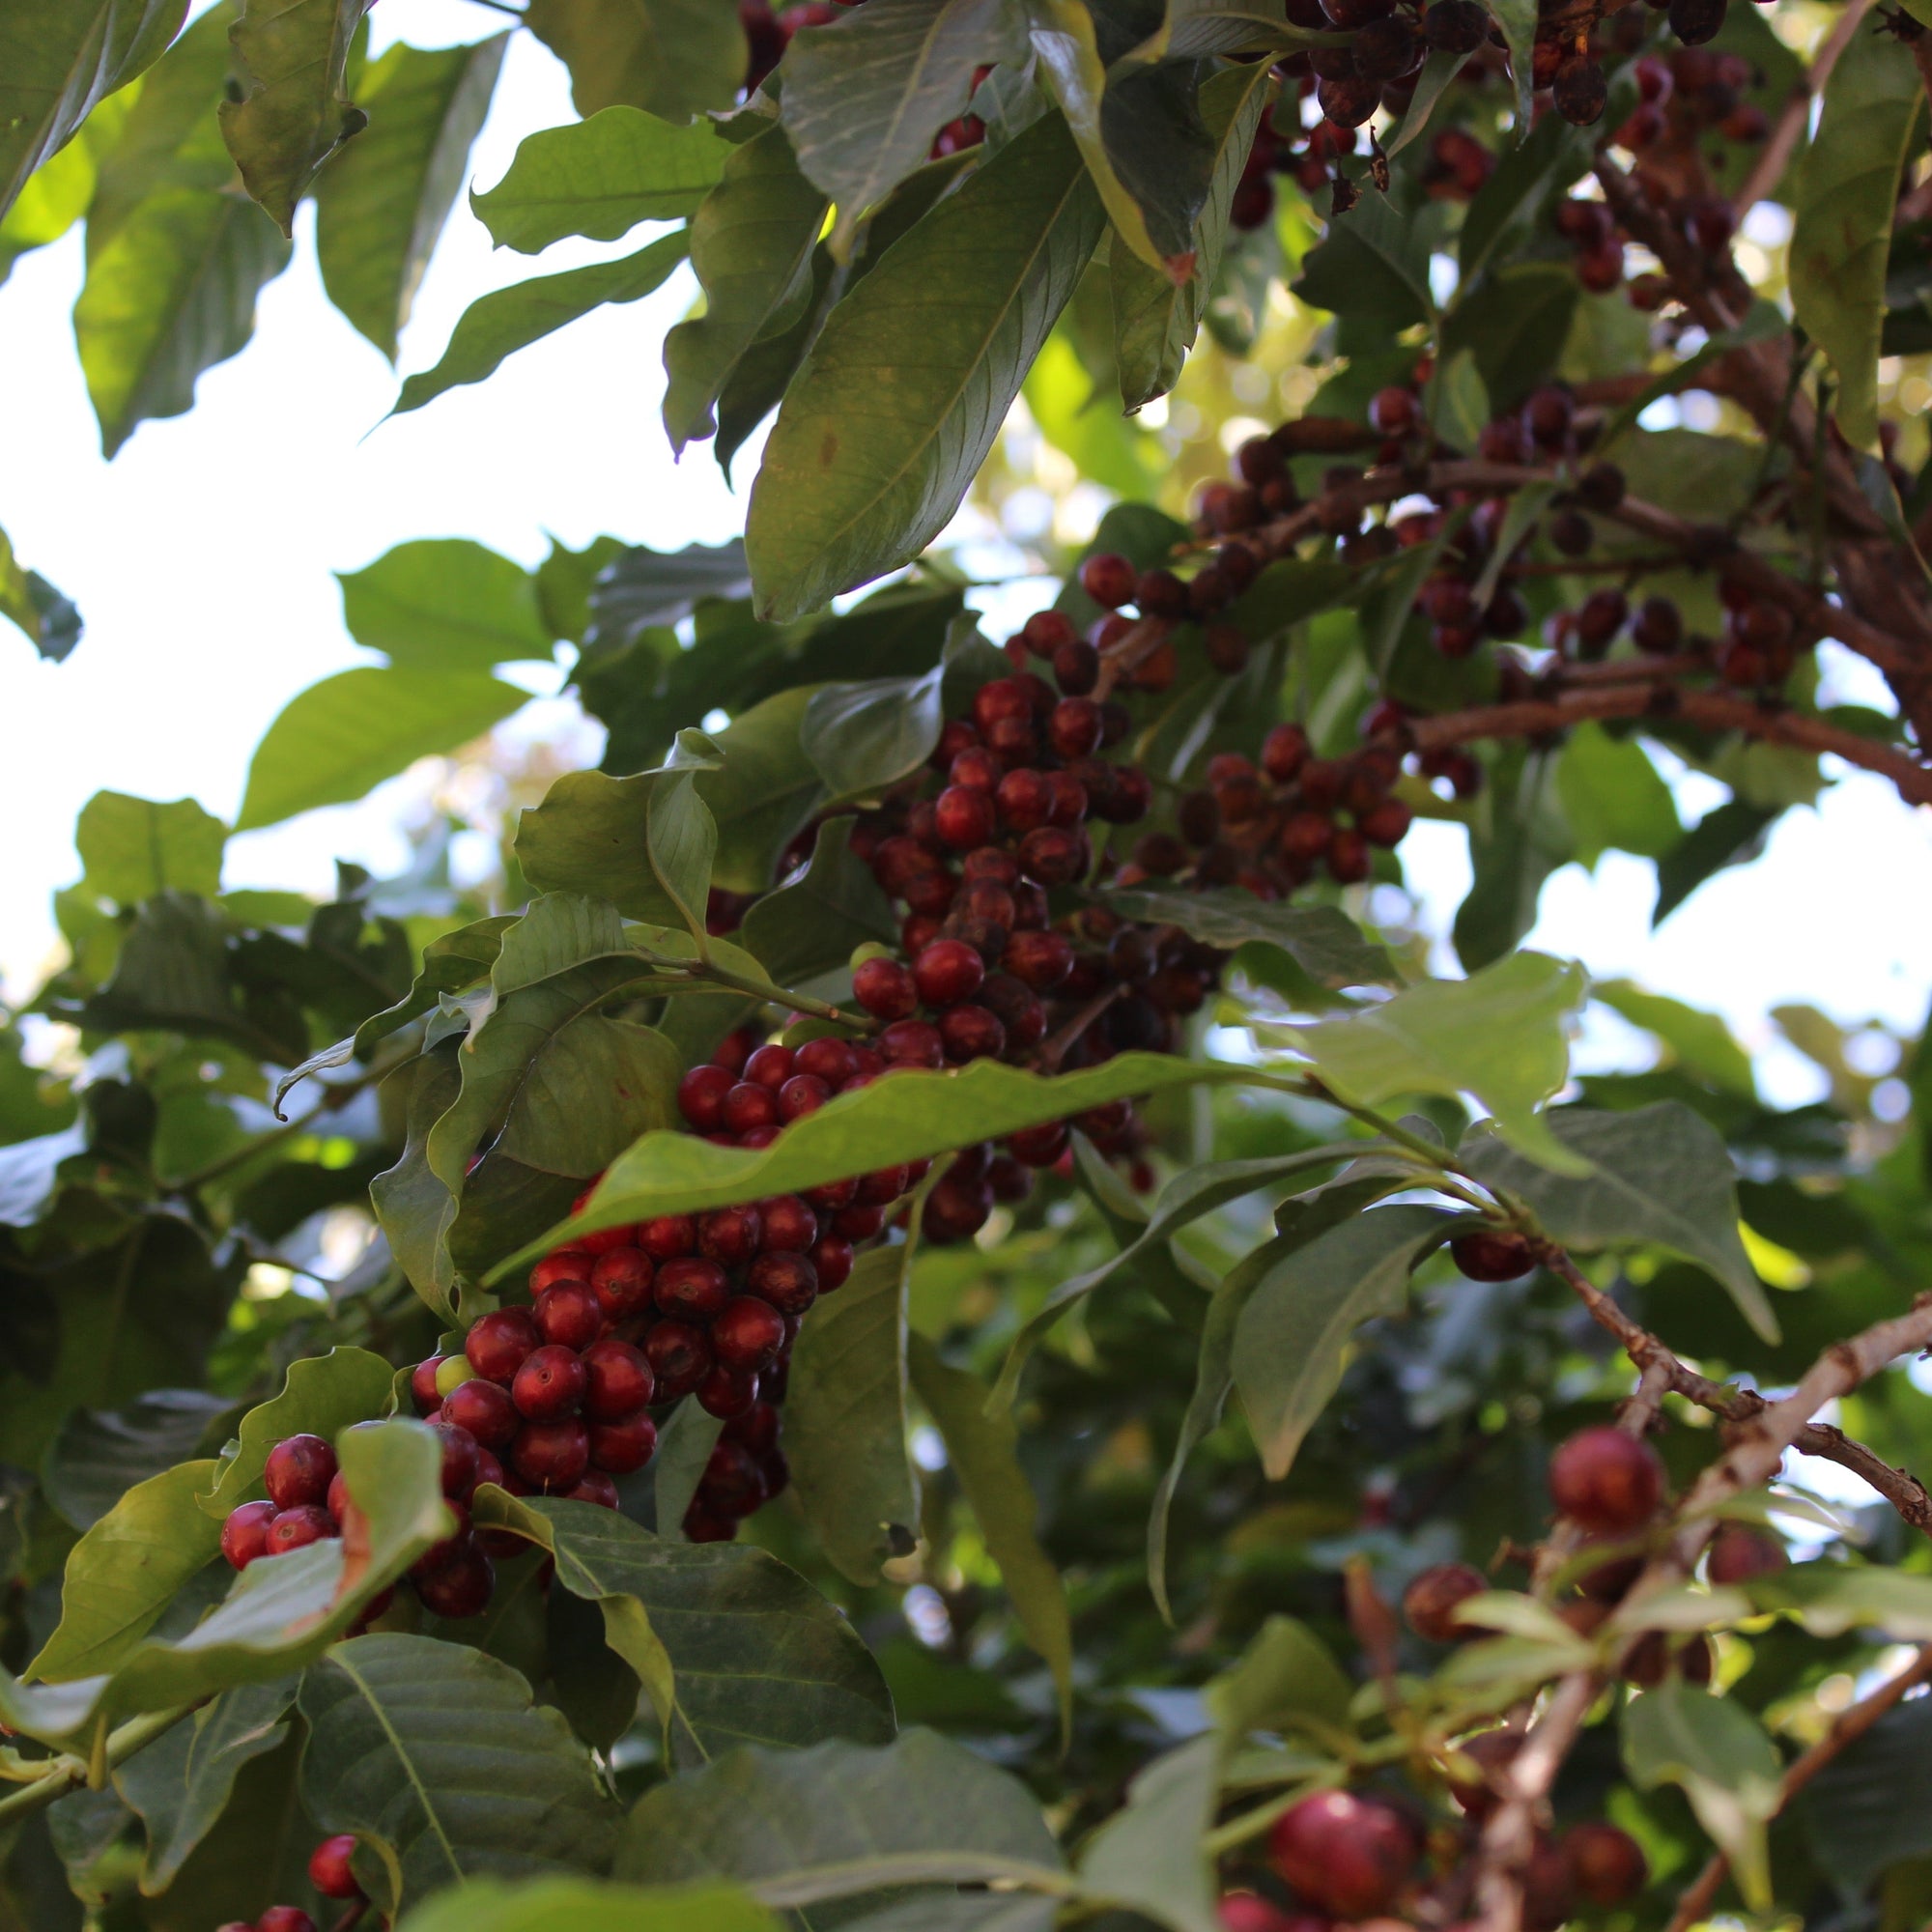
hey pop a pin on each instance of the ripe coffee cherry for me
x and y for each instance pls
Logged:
(299, 1471)
(679, 1353)
(1696, 21)
(691, 1289)
(597, 1487)
(1492, 1254)
(971, 1033)
(550, 1384)
(964, 817)
(617, 1380)
(297, 1529)
(726, 1392)
(1599, 618)
(553, 1454)
(914, 1044)
(244, 1533)
(884, 989)
(787, 1281)
(624, 1444)
(1456, 26)
(483, 1410)
(770, 1066)
(1350, 1855)
(1053, 856)
(498, 1342)
(949, 970)
(749, 1105)
(748, 1333)
(832, 1260)
(730, 1235)
(1579, 92)
(956, 1209)
(1076, 667)
(1394, 412)
(1243, 1912)
(1386, 824)
(561, 1264)
(1025, 799)
(1348, 859)
(1606, 1863)
(1046, 631)
(1109, 579)
(700, 1099)
(283, 1918)
(787, 1224)
(460, 1452)
(1656, 1656)
(1073, 728)
(459, 1588)
(569, 1314)
(1040, 960)
(1284, 753)
(328, 1867)
(1348, 103)
(1607, 1482)
(622, 1282)
(423, 1391)
(668, 1236)
(829, 1060)
(1430, 1601)
(1740, 1552)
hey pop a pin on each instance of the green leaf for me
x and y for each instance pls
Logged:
(58, 60)
(861, 737)
(1719, 1753)
(1518, 839)
(1858, 1829)
(1731, 835)
(1149, 1854)
(1660, 1175)
(1286, 1673)
(451, 963)
(1543, 164)
(1699, 1041)
(410, 1202)
(496, 325)
(577, 1905)
(1155, 322)
(910, 1116)
(435, 1756)
(674, 58)
(865, 96)
(644, 589)
(1613, 796)
(1437, 72)
(339, 738)
(27, 598)
(1518, 21)
(180, 1785)
(732, 1647)
(845, 1424)
(684, 1448)
(600, 177)
(680, 834)
(1294, 1332)
(100, 1455)
(132, 848)
(794, 1827)
(1497, 1035)
(983, 1450)
(813, 923)
(1842, 215)
(1831, 1599)
(445, 604)
(381, 202)
(902, 396)
(1321, 939)
(1373, 264)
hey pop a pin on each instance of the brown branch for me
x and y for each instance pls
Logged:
(1509, 1840)
(1053, 1050)
(1851, 1725)
(1775, 155)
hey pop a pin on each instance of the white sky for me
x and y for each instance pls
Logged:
(201, 561)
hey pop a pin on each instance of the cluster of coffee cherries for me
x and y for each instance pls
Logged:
(329, 1872)
(1692, 95)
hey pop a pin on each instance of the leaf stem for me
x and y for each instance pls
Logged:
(763, 989)
(67, 1773)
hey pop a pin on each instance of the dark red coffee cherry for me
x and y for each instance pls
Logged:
(299, 1471)
(746, 1333)
(498, 1342)
(884, 989)
(1456, 26)
(553, 1454)
(328, 1869)
(700, 1099)
(1606, 1863)
(621, 1281)
(1579, 92)
(1696, 21)
(1348, 1855)
(1109, 579)
(459, 1588)
(730, 1235)
(726, 1392)
(949, 970)
(569, 1314)
(550, 1384)
(832, 1259)
(668, 1236)
(691, 1289)
(244, 1533)
(484, 1410)
(1605, 1481)
(617, 1380)
(1430, 1601)
(679, 1353)
(283, 1918)
(297, 1529)
(1740, 1553)
(1492, 1254)
(459, 1453)
(625, 1445)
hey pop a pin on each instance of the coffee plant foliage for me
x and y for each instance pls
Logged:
(932, 1309)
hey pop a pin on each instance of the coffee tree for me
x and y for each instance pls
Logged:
(926, 1315)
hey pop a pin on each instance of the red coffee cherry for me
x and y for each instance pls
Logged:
(700, 1097)
(1739, 1551)
(299, 1471)
(1607, 1482)
(1284, 753)
(1109, 579)
(1047, 631)
(913, 1043)
(1394, 412)
(949, 970)
(244, 1533)
(297, 1529)
(668, 1236)
(1242, 1911)
(1492, 1254)
(787, 1281)
(283, 1918)
(956, 1209)
(423, 1391)
(964, 817)
(1606, 1863)
(679, 1353)
(617, 1380)
(460, 1452)
(730, 1235)
(884, 989)
(726, 1392)
(1430, 1601)
(1350, 1855)
(770, 1066)
(1053, 856)
(971, 1033)
(597, 1487)
(749, 1105)
(832, 1259)
(484, 1410)
(553, 1454)
(561, 1264)
(829, 1060)
(550, 1384)
(691, 1289)
(570, 1315)
(328, 1867)
(623, 1445)
(748, 1333)
(1040, 1147)
(622, 1282)
(498, 1342)
(458, 1588)
(1040, 960)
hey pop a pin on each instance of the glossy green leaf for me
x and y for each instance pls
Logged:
(435, 1757)
(1293, 1334)
(1842, 211)
(680, 834)
(813, 922)
(337, 739)
(1155, 321)
(132, 848)
(644, 589)
(577, 1905)
(381, 202)
(982, 1452)
(409, 1200)
(1518, 839)
(674, 58)
(910, 1116)
(52, 198)
(1659, 1175)
(1149, 1855)
(732, 1647)
(865, 96)
(445, 604)
(1373, 265)
(100, 1455)
(845, 1420)
(180, 1785)
(600, 177)
(1321, 939)
(1614, 797)
(795, 1827)
(496, 325)
(1719, 1753)
(1498, 1034)
(451, 964)
(58, 59)
(751, 246)
(902, 396)
(27, 598)
(1518, 21)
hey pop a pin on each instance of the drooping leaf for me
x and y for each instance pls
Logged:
(1321, 939)
(444, 605)
(1498, 1034)
(381, 204)
(813, 923)
(575, 1905)
(27, 598)
(132, 848)
(1150, 1855)
(982, 1452)
(751, 246)
(1613, 796)
(100, 1455)
(1843, 216)
(794, 1827)
(1519, 840)
(903, 392)
(645, 588)
(674, 58)
(600, 177)
(865, 96)
(1733, 834)
(435, 1755)
(1292, 1333)
(339, 738)
(1699, 1041)
(1373, 265)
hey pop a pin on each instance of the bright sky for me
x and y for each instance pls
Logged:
(201, 558)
